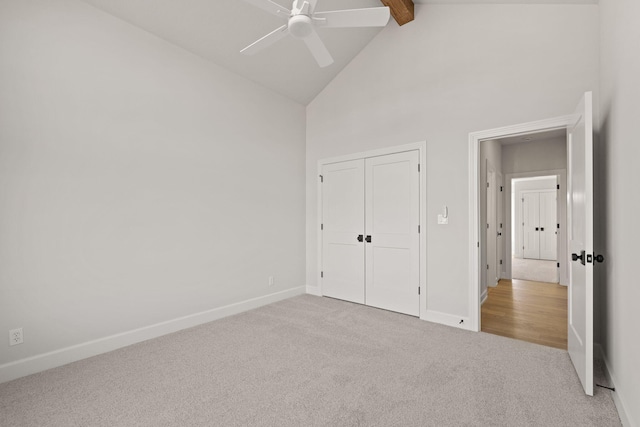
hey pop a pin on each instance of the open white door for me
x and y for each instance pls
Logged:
(580, 204)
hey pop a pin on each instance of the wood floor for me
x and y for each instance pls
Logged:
(528, 311)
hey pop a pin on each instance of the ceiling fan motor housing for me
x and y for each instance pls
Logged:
(300, 26)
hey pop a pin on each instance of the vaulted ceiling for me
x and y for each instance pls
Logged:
(218, 29)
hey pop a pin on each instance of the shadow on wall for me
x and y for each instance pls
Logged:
(601, 199)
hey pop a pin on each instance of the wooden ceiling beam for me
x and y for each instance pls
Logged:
(401, 10)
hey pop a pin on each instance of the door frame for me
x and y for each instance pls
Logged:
(421, 147)
(475, 236)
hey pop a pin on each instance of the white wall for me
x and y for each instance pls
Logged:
(138, 183)
(618, 204)
(457, 69)
(535, 156)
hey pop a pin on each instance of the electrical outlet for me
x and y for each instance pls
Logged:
(15, 336)
(270, 280)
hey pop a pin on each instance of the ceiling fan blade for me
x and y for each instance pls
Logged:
(318, 50)
(370, 17)
(271, 7)
(267, 40)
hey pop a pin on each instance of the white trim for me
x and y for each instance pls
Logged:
(31, 365)
(618, 400)
(474, 181)
(459, 322)
(421, 146)
(484, 296)
(314, 290)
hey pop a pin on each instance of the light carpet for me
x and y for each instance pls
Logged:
(312, 361)
(535, 270)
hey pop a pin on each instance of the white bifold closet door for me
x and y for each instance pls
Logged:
(539, 228)
(370, 234)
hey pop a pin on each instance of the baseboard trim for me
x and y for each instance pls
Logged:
(459, 322)
(31, 365)
(314, 290)
(484, 296)
(617, 396)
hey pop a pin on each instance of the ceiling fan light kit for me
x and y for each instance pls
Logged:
(302, 21)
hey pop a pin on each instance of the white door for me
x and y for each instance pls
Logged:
(580, 196)
(343, 228)
(548, 225)
(392, 239)
(530, 225)
(492, 231)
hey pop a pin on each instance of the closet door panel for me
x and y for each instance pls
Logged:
(391, 221)
(342, 222)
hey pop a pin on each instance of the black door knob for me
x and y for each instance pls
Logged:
(368, 239)
(576, 257)
(599, 258)
(541, 228)
(360, 236)
(536, 228)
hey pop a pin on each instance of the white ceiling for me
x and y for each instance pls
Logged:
(218, 29)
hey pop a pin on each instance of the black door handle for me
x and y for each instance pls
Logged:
(541, 228)
(536, 228)
(575, 257)
(599, 258)
(368, 239)
(360, 236)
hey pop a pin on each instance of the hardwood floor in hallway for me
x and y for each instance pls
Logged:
(528, 311)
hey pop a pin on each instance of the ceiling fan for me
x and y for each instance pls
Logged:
(302, 21)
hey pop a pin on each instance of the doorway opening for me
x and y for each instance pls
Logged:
(524, 240)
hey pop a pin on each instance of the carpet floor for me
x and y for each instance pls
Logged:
(312, 361)
(535, 270)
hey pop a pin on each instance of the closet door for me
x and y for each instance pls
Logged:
(392, 239)
(531, 225)
(548, 225)
(343, 229)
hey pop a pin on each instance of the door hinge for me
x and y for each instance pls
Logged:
(418, 290)
(321, 178)
(500, 225)
(487, 226)
(487, 266)
(558, 265)
(500, 262)
(321, 226)
(558, 225)
(478, 244)
(487, 185)
(557, 186)
(418, 167)
(418, 229)
(501, 188)
(322, 274)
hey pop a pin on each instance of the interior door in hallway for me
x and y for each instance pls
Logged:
(342, 230)
(548, 225)
(392, 235)
(530, 225)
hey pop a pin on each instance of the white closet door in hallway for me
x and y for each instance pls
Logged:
(539, 216)
(370, 231)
